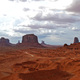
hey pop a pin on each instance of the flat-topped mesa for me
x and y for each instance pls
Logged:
(29, 39)
(4, 42)
(76, 40)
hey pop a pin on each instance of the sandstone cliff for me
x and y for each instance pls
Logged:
(30, 40)
(4, 42)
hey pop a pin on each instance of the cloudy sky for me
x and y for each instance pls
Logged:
(54, 21)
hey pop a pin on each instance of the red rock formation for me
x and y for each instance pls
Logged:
(4, 42)
(29, 40)
(65, 45)
(42, 43)
(76, 40)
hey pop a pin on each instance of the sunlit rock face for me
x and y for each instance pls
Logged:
(76, 40)
(4, 42)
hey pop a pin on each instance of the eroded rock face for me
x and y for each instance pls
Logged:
(76, 40)
(4, 42)
(29, 38)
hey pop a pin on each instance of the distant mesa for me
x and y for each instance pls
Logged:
(76, 40)
(43, 43)
(18, 42)
(50, 46)
(4, 42)
(30, 40)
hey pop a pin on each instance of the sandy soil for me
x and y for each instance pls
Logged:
(40, 63)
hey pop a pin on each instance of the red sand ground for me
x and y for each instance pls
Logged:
(40, 63)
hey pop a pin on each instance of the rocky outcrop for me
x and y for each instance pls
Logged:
(4, 42)
(29, 39)
(42, 43)
(76, 40)
(65, 45)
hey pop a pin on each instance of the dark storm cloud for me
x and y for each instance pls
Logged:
(74, 7)
(58, 18)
